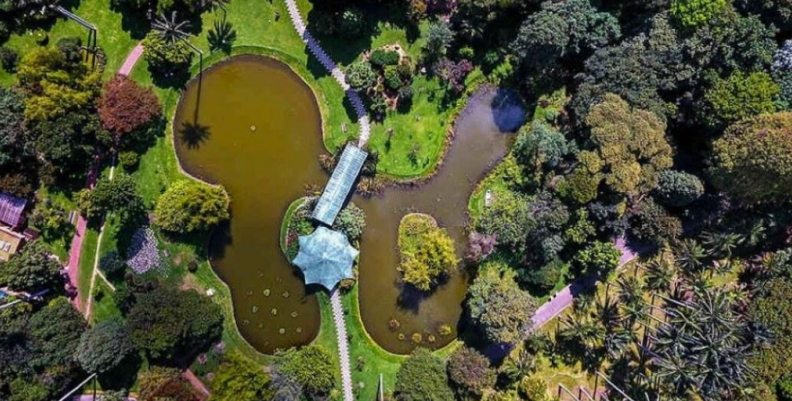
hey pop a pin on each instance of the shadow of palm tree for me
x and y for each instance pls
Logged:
(194, 134)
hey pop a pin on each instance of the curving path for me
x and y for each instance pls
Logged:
(75, 249)
(316, 49)
(563, 299)
(365, 132)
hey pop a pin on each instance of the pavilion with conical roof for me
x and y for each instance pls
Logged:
(325, 257)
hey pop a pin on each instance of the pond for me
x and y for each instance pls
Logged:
(259, 134)
(479, 143)
(261, 137)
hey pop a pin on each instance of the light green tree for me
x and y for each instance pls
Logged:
(631, 146)
(189, 206)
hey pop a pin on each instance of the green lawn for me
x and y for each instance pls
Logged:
(90, 242)
(112, 37)
(104, 304)
(377, 361)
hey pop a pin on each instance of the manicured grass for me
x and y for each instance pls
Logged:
(90, 242)
(376, 359)
(103, 308)
(112, 37)
(361, 346)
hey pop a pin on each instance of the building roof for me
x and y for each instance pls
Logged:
(10, 243)
(337, 189)
(325, 257)
(11, 209)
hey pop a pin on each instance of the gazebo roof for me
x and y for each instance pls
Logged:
(325, 257)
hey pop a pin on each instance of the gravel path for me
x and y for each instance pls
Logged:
(316, 49)
(343, 345)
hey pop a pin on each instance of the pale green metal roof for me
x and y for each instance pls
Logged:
(337, 189)
(325, 257)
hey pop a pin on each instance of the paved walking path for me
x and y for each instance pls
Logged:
(196, 383)
(343, 345)
(131, 60)
(316, 49)
(75, 250)
(564, 298)
(365, 132)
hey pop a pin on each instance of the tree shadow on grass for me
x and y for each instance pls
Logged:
(344, 50)
(133, 19)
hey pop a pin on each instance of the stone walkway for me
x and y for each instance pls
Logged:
(343, 345)
(316, 49)
(365, 132)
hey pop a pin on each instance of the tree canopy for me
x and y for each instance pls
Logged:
(189, 206)
(427, 252)
(166, 322)
(631, 145)
(240, 379)
(498, 306)
(33, 269)
(753, 159)
(104, 346)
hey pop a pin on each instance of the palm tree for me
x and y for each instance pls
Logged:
(218, 4)
(660, 273)
(221, 35)
(720, 245)
(631, 293)
(581, 329)
(175, 31)
(617, 342)
(172, 30)
(689, 255)
(518, 364)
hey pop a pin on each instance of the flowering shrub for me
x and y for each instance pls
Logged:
(143, 252)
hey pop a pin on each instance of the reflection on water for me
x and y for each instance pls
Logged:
(258, 133)
(481, 140)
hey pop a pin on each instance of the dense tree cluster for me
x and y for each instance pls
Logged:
(166, 322)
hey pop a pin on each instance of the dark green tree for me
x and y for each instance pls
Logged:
(566, 30)
(166, 322)
(32, 270)
(104, 346)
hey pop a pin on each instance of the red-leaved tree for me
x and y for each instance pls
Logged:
(126, 106)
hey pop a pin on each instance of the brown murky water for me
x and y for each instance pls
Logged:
(263, 169)
(267, 167)
(478, 145)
